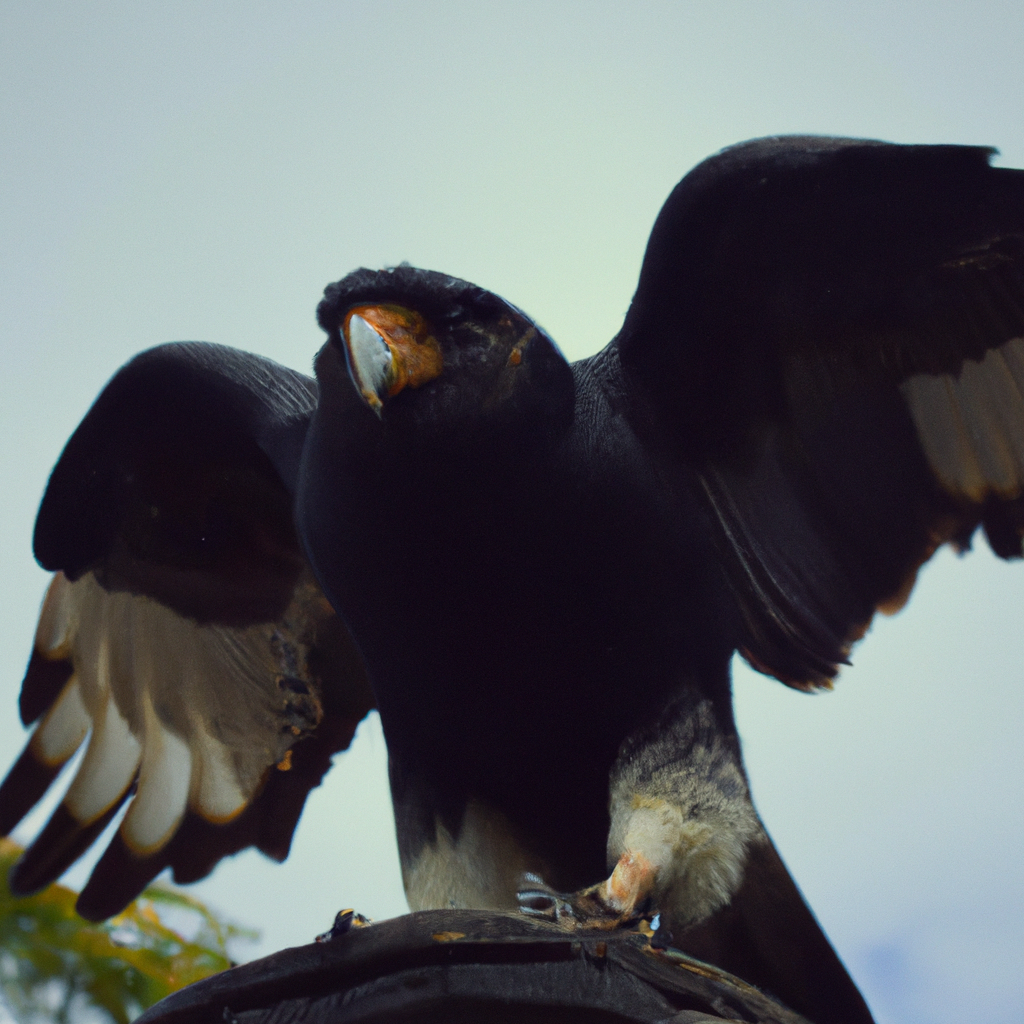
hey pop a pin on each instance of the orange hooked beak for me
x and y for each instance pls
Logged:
(388, 348)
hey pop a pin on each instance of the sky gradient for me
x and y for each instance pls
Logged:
(201, 171)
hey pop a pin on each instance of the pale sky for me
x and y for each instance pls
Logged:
(201, 171)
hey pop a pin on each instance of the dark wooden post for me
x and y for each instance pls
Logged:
(472, 967)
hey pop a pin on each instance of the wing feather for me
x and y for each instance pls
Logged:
(183, 639)
(971, 425)
(830, 333)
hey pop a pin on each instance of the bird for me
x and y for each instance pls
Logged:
(537, 572)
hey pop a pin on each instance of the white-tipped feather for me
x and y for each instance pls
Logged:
(217, 796)
(195, 710)
(1013, 356)
(972, 426)
(55, 617)
(61, 732)
(106, 770)
(994, 410)
(164, 781)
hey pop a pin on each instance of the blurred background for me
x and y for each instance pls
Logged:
(201, 171)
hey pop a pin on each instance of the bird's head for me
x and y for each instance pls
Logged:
(427, 354)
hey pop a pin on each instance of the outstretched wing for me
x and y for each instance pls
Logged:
(831, 333)
(183, 633)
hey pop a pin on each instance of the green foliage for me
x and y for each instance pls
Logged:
(56, 967)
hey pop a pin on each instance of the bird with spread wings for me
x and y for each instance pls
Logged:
(537, 571)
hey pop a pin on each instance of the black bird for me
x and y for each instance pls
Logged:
(537, 571)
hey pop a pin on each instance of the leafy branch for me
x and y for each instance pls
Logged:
(56, 967)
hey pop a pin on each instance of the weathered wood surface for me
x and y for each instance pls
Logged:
(459, 966)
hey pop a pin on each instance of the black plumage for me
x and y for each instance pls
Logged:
(542, 569)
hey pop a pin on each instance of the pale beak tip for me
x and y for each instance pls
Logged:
(369, 360)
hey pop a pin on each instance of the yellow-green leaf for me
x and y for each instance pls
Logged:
(53, 964)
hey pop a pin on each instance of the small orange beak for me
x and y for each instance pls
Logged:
(389, 348)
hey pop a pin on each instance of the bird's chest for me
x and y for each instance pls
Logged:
(498, 603)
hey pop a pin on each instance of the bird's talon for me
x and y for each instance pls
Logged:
(540, 904)
(344, 921)
(584, 909)
(540, 901)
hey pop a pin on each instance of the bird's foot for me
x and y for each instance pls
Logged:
(344, 922)
(617, 902)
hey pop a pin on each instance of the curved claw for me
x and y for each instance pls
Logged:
(344, 922)
(539, 900)
(539, 904)
(593, 907)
